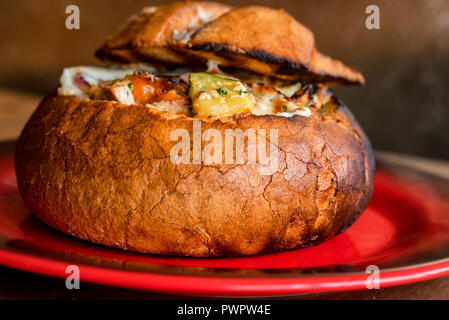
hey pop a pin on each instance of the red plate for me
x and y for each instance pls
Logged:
(405, 232)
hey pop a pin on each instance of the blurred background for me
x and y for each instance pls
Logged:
(403, 107)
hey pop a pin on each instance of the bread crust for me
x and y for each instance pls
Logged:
(101, 171)
(326, 70)
(269, 42)
(259, 39)
(149, 36)
(247, 35)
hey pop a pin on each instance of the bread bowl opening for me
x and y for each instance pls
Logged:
(197, 93)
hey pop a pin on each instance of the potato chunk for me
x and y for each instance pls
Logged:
(212, 95)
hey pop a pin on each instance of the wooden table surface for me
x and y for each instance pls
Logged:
(15, 109)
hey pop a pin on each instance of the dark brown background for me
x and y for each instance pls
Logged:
(403, 107)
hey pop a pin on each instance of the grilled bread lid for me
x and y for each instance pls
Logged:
(258, 39)
(151, 35)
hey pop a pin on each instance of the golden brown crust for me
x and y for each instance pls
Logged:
(264, 40)
(326, 70)
(269, 42)
(150, 35)
(259, 39)
(101, 171)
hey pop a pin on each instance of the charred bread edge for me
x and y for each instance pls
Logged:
(289, 66)
(282, 65)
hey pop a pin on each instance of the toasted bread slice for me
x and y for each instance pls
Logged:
(259, 39)
(324, 69)
(269, 42)
(150, 35)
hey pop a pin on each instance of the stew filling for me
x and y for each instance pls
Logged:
(203, 94)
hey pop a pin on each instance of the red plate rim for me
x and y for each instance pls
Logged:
(226, 286)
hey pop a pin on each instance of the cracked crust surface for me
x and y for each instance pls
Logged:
(102, 172)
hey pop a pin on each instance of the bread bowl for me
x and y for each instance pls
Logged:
(128, 155)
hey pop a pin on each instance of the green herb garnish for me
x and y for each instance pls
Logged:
(130, 85)
(284, 107)
(223, 91)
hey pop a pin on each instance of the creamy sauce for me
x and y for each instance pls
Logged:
(72, 79)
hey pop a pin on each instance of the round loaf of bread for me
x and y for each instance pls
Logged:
(107, 173)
